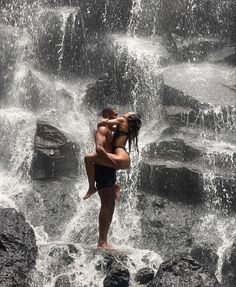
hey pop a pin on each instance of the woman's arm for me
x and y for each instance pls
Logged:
(111, 123)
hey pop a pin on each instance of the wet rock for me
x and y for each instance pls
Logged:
(184, 272)
(62, 281)
(106, 91)
(55, 155)
(118, 276)
(48, 38)
(205, 18)
(229, 268)
(50, 204)
(124, 77)
(33, 94)
(224, 55)
(173, 181)
(224, 196)
(7, 58)
(59, 259)
(174, 97)
(72, 249)
(198, 51)
(144, 275)
(18, 249)
(210, 85)
(162, 230)
(175, 149)
(206, 255)
(118, 15)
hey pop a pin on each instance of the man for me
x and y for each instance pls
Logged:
(105, 178)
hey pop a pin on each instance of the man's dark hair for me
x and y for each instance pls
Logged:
(107, 111)
(134, 125)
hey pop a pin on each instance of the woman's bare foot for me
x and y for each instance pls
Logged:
(105, 246)
(117, 192)
(90, 192)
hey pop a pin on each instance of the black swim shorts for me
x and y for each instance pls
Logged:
(104, 176)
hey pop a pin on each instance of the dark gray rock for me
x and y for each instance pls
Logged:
(18, 249)
(162, 230)
(59, 260)
(175, 182)
(118, 276)
(55, 155)
(174, 97)
(62, 281)
(193, 18)
(144, 275)
(50, 204)
(229, 268)
(118, 15)
(33, 94)
(198, 51)
(183, 272)
(206, 255)
(48, 37)
(175, 149)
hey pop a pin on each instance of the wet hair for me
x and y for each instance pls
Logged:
(134, 125)
(107, 111)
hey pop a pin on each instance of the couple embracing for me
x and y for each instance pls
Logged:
(113, 132)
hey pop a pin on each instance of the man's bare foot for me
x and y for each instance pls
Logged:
(90, 192)
(105, 246)
(117, 191)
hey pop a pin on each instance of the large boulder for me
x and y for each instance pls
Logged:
(55, 155)
(183, 272)
(162, 230)
(171, 180)
(18, 249)
(175, 149)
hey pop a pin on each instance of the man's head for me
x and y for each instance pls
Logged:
(109, 113)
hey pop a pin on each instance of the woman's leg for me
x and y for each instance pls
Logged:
(121, 159)
(88, 160)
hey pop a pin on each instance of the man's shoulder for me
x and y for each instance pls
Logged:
(102, 130)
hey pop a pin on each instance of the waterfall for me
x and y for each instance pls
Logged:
(183, 96)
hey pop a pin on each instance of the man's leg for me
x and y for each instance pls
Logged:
(107, 196)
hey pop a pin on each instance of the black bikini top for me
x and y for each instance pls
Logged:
(119, 132)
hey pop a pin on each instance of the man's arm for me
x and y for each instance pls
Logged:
(100, 141)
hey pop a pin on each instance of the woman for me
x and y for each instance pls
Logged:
(127, 129)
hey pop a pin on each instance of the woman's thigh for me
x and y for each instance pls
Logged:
(122, 158)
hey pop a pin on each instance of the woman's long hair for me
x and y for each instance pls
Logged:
(134, 125)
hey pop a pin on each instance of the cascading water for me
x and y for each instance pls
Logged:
(65, 226)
